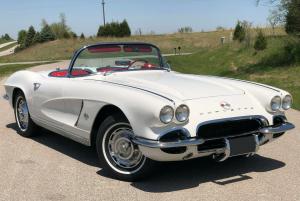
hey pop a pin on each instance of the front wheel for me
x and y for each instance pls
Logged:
(27, 128)
(118, 154)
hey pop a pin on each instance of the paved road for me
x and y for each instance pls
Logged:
(6, 44)
(51, 167)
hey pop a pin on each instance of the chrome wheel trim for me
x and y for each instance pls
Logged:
(22, 113)
(121, 154)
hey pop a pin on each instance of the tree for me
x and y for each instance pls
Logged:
(186, 29)
(82, 36)
(61, 29)
(7, 37)
(239, 32)
(37, 38)
(274, 19)
(22, 36)
(260, 41)
(292, 25)
(47, 34)
(29, 37)
(124, 29)
(114, 29)
(73, 35)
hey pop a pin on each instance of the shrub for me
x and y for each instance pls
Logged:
(292, 51)
(260, 41)
(239, 32)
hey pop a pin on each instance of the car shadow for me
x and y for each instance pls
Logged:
(168, 176)
(174, 176)
(64, 145)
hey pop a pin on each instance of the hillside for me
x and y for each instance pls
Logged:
(63, 49)
(234, 60)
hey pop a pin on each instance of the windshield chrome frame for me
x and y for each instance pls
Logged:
(78, 52)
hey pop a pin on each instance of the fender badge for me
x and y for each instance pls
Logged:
(225, 105)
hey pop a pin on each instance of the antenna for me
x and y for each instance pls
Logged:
(103, 5)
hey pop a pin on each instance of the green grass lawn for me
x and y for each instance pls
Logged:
(244, 63)
(9, 69)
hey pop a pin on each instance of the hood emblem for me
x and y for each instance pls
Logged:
(225, 105)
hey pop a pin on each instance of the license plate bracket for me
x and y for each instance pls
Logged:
(242, 145)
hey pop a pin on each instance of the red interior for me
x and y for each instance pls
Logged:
(64, 73)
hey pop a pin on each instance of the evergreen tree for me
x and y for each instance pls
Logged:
(82, 36)
(7, 37)
(239, 32)
(292, 25)
(124, 29)
(37, 38)
(29, 37)
(114, 29)
(47, 34)
(260, 42)
(22, 36)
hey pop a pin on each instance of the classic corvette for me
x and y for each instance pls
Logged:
(123, 99)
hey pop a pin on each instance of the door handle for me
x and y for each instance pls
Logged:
(36, 86)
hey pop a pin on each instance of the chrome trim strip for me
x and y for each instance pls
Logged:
(158, 144)
(6, 97)
(277, 129)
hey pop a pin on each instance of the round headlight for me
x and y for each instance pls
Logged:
(287, 102)
(166, 114)
(182, 113)
(275, 103)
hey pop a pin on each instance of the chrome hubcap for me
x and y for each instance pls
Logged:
(22, 114)
(122, 150)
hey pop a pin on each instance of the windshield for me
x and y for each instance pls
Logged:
(109, 58)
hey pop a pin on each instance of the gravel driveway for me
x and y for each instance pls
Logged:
(51, 167)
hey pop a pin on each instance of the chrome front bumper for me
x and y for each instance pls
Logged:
(153, 148)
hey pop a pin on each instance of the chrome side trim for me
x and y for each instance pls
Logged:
(158, 144)
(277, 129)
(6, 97)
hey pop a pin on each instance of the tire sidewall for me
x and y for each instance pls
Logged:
(103, 154)
(31, 128)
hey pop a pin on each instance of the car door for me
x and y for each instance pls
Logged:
(48, 103)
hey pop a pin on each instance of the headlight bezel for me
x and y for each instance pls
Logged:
(171, 115)
(276, 100)
(187, 110)
(290, 102)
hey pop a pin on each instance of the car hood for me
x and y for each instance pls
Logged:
(171, 84)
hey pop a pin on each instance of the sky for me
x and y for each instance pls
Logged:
(160, 16)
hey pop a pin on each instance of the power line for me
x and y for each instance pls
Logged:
(103, 10)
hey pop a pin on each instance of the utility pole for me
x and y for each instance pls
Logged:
(103, 4)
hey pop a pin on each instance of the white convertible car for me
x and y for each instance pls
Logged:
(124, 99)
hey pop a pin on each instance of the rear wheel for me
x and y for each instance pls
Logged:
(118, 154)
(26, 127)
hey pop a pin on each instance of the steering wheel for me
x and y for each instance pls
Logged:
(138, 60)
